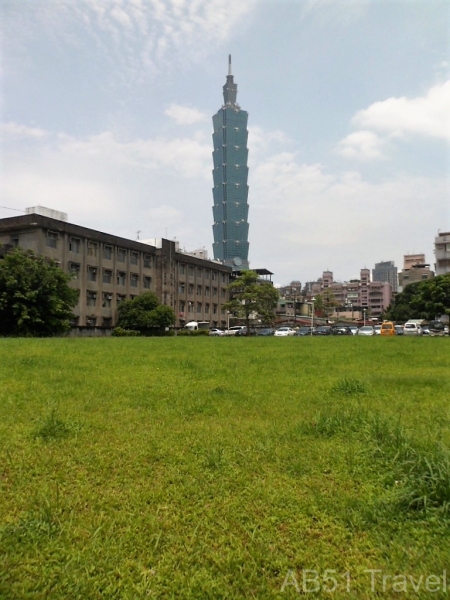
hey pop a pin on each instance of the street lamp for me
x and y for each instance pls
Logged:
(312, 314)
(228, 319)
(364, 316)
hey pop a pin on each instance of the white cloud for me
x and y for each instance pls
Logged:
(362, 145)
(16, 131)
(427, 115)
(184, 115)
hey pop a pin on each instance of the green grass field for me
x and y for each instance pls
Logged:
(224, 468)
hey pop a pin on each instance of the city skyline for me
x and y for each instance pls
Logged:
(106, 115)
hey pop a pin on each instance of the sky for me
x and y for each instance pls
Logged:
(106, 106)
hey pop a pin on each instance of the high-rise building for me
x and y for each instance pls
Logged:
(230, 175)
(386, 271)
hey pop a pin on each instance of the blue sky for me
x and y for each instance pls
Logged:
(106, 110)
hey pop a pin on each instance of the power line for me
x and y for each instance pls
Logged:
(16, 209)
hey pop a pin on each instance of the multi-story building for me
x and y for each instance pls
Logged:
(414, 269)
(108, 269)
(230, 176)
(386, 271)
(442, 253)
(353, 298)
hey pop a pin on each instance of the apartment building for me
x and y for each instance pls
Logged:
(414, 269)
(442, 253)
(107, 269)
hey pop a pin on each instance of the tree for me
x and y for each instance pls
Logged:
(144, 313)
(252, 298)
(422, 300)
(35, 298)
(325, 302)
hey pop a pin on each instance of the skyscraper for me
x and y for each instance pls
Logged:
(230, 175)
(386, 271)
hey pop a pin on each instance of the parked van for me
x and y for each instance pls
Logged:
(387, 328)
(412, 328)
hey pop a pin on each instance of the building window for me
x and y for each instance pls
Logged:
(214, 275)
(207, 273)
(191, 289)
(120, 298)
(51, 239)
(181, 288)
(134, 257)
(121, 254)
(190, 307)
(91, 321)
(191, 271)
(75, 245)
(182, 268)
(199, 307)
(92, 273)
(147, 261)
(224, 278)
(107, 322)
(206, 309)
(91, 298)
(214, 292)
(199, 272)
(207, 291)
(107, 276)
(147, 283)
(134, 279)
(181, 307)
(107, 252)
(74, 269)
(199, 290)
(107, 300)
(214, 309)
(121, 278)
(92, 248)
(223, 293)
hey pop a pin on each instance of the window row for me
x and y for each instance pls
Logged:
(199, 308)
(107, 251)
(200, 272)
(106, 298)
(108, 276)
(200, 291)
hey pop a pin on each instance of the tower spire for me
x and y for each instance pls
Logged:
(230, 88)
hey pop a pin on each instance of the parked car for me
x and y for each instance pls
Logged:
(342, 331)
(387, 328)
(305, 331)
(284, 331)
(366, 330)
(266, 331)
(377, 329)
(234, 329)
(412, 328)
(216, 332)
(324, 330)
(354, 329)
(398, 329)
(244, 331)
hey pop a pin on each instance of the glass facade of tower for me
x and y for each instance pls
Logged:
(230, 176)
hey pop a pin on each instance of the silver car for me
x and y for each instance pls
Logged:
(366, 330)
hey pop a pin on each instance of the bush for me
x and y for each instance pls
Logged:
(121, 332)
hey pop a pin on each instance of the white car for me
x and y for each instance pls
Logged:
(366, 330)
(377, 329)
(234, 330)
(284, 331)
(216, 332)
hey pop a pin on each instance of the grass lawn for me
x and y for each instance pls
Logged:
(217, 468)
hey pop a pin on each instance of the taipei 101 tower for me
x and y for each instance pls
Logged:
(230, 175)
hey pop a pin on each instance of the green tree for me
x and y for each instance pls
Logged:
(251, 299)
(422, 300)
(35, 298)
(144, 313)
(325, 302)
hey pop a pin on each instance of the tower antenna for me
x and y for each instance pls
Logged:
(229, 64)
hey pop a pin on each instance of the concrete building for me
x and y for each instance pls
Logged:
(386, 271)
(414, 269)
(353, 299)
(108, 269)
(230, 176)
(442, 253)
